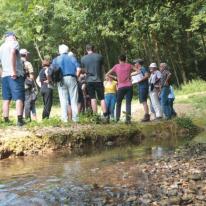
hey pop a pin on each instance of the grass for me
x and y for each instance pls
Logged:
(193, 86)
(187, 94)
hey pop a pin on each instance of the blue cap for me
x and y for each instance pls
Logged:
(9, 33)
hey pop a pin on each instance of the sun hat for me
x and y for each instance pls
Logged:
(153, 65)
(138, 61)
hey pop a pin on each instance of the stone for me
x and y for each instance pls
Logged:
(132, 199)
(195, 177)
(174, 200)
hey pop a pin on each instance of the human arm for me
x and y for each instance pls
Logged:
(13, 63)
(166, 83)
(145, 77)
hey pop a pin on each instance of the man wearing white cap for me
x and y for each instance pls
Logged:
(154, 89)
(70, 69)
(12, 77)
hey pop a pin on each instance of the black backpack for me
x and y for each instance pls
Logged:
(55, 73)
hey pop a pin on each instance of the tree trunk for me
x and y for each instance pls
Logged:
(182, 67)
(203, 43)
(106, 52)
(38, 51)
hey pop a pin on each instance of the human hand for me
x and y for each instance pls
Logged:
(13, 75)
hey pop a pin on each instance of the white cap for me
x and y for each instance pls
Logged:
(23, 51)
(153, 65)
(63, 49)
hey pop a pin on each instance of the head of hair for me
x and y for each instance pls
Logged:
(122, 57)
(89, 47)
(46, 63)
(164, 65)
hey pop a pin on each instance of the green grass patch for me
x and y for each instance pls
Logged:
(186, 123)
(193, 86)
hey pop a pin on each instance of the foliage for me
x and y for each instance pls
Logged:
(169, 31)
(185, 122)
(88, 117)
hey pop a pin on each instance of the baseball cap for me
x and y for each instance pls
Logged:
(138, 61)
(23, 51)
(153, 65)
(10, 33)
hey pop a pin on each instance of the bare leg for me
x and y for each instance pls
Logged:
(146, 108)
(19, 107)
(103, 106)
(6, 108)
(94, 105)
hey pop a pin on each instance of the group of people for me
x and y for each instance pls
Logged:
(79, 82)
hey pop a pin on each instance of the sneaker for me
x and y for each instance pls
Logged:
(157, 119)
(146, 118)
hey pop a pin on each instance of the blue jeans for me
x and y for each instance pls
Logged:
(165, 101)
(110, 100)
(68, 89)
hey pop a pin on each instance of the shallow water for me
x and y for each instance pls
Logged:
(73, 179)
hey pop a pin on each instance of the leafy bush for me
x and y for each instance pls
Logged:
(185, 122)
(89, 117)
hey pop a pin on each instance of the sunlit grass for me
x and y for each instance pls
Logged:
(193, 86)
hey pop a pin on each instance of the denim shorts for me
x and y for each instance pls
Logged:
(13, 89)
(143, 94)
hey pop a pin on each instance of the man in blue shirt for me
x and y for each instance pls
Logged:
(143, 86)
(68, 87)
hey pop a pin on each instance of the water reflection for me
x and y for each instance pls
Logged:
(63, 177)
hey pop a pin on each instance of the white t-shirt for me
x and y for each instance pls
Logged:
(6, 56)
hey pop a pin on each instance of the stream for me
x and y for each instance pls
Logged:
(84, 178)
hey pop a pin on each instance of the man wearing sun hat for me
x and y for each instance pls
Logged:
(12, 77)
(154, 89)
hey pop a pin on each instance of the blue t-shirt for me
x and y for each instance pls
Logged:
(145, 83)
(68, 64)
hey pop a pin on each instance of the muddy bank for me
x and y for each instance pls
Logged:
(25, 141)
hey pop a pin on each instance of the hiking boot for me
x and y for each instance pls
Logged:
(20, 123)
(128, 122)
(146, 118)
(105, 119)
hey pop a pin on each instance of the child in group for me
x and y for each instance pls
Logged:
(171, 99)
(110, 89)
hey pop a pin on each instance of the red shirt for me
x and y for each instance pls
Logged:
(123, 72)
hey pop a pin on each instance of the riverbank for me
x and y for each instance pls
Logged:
(23, 141)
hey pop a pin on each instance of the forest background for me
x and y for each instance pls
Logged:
(172, 31)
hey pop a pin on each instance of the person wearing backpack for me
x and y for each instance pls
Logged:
(68, 87)
(31, 89)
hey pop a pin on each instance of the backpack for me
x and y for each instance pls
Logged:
(55, 73)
